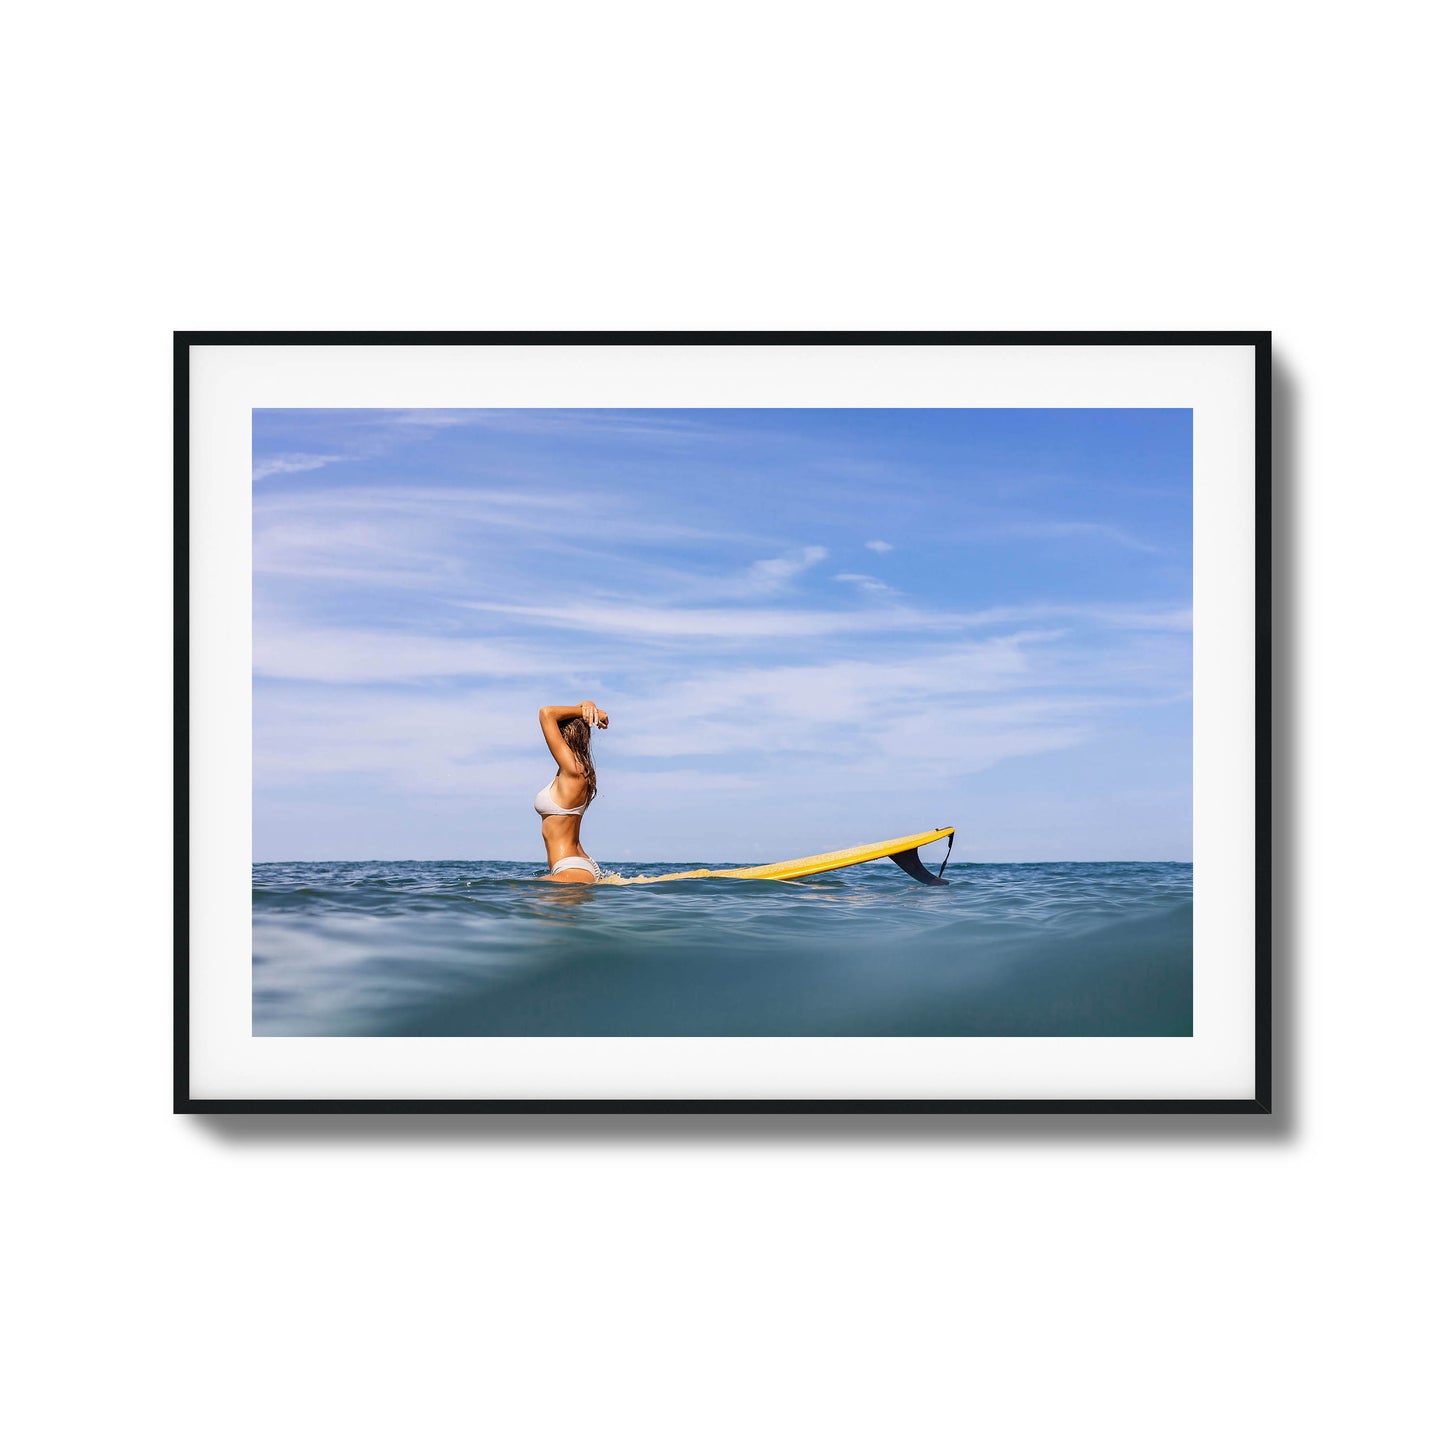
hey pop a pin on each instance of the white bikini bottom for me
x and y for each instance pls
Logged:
(564, 863)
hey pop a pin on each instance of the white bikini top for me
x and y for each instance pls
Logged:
(546, 805)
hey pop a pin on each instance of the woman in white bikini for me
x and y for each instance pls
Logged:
(563, 801)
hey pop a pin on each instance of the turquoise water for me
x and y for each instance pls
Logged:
(467, 948)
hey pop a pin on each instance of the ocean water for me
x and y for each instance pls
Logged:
(468, 948)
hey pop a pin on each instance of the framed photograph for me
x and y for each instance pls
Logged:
(723, 722)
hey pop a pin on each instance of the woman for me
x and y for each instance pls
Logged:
(563, 801)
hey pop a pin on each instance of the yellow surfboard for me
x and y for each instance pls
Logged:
(903, 851)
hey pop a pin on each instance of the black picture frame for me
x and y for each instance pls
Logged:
(1262, 1100)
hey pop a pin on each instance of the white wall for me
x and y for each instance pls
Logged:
(448, 166)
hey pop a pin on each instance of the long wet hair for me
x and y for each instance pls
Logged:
(578, 736)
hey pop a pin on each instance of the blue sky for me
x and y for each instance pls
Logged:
(811, 628)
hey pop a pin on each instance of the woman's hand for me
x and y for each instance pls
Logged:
(593, 715)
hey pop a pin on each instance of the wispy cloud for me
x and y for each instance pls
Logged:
(352, 655)
(1060, 531)
(879, 546)
(370, 436)
(865, 583)
(384, 428)
(774, 573)
(273, 466)
(548, 513)
(602, 615)
(721, 624)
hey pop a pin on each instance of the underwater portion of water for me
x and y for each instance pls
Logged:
(467, 948)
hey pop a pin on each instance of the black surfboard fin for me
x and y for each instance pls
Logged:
(912, 864)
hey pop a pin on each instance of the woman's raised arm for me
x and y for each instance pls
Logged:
(552, 719)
